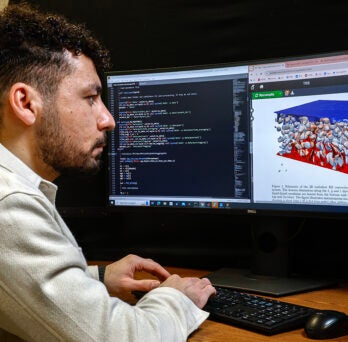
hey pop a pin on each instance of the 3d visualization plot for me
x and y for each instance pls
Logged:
(316, 133)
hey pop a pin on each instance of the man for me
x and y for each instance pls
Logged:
(53, 121)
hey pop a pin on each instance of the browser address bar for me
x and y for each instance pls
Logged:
(286, 71)
(309, 69)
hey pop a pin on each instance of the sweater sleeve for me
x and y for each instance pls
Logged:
(94, 271)
(174, 307)
(48, 293)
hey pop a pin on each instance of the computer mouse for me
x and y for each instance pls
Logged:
(326, 324)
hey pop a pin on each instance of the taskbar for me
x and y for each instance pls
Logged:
(177, 203)
(191, 204)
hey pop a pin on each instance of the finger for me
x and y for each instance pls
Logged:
(205, 282)
(194, 281)
(144, 285)
(211, 290)
(154, 268)
(207, 286)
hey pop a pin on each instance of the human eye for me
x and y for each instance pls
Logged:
(91, 99)
(92, 94)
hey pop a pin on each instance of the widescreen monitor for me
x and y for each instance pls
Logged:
(254, 137)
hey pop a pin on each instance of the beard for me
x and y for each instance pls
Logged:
(62, 153)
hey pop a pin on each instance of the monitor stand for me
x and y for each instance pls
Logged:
(269, 271)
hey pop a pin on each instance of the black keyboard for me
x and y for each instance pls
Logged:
(256, 313)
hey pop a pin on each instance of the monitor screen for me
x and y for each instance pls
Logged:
(255, 136)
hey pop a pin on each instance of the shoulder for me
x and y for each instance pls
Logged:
(20, 198)
(12, 183)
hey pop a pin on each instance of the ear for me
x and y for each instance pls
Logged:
(25, 102)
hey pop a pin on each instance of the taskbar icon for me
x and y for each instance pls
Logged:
(189, 204)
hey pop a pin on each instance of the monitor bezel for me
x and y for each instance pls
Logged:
(276, 210)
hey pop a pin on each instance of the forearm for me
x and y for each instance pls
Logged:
(176, 314)
(48, 292)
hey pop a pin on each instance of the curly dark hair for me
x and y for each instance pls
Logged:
(33, 48)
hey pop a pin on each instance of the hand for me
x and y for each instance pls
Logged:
(198, 290)
(119, 276)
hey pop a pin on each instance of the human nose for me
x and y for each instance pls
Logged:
(106, 121)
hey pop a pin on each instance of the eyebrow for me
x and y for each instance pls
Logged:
(94, 86)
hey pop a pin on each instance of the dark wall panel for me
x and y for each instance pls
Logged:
(164, 33)
(155, 33)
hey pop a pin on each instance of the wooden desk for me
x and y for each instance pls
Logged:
(210, 331)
